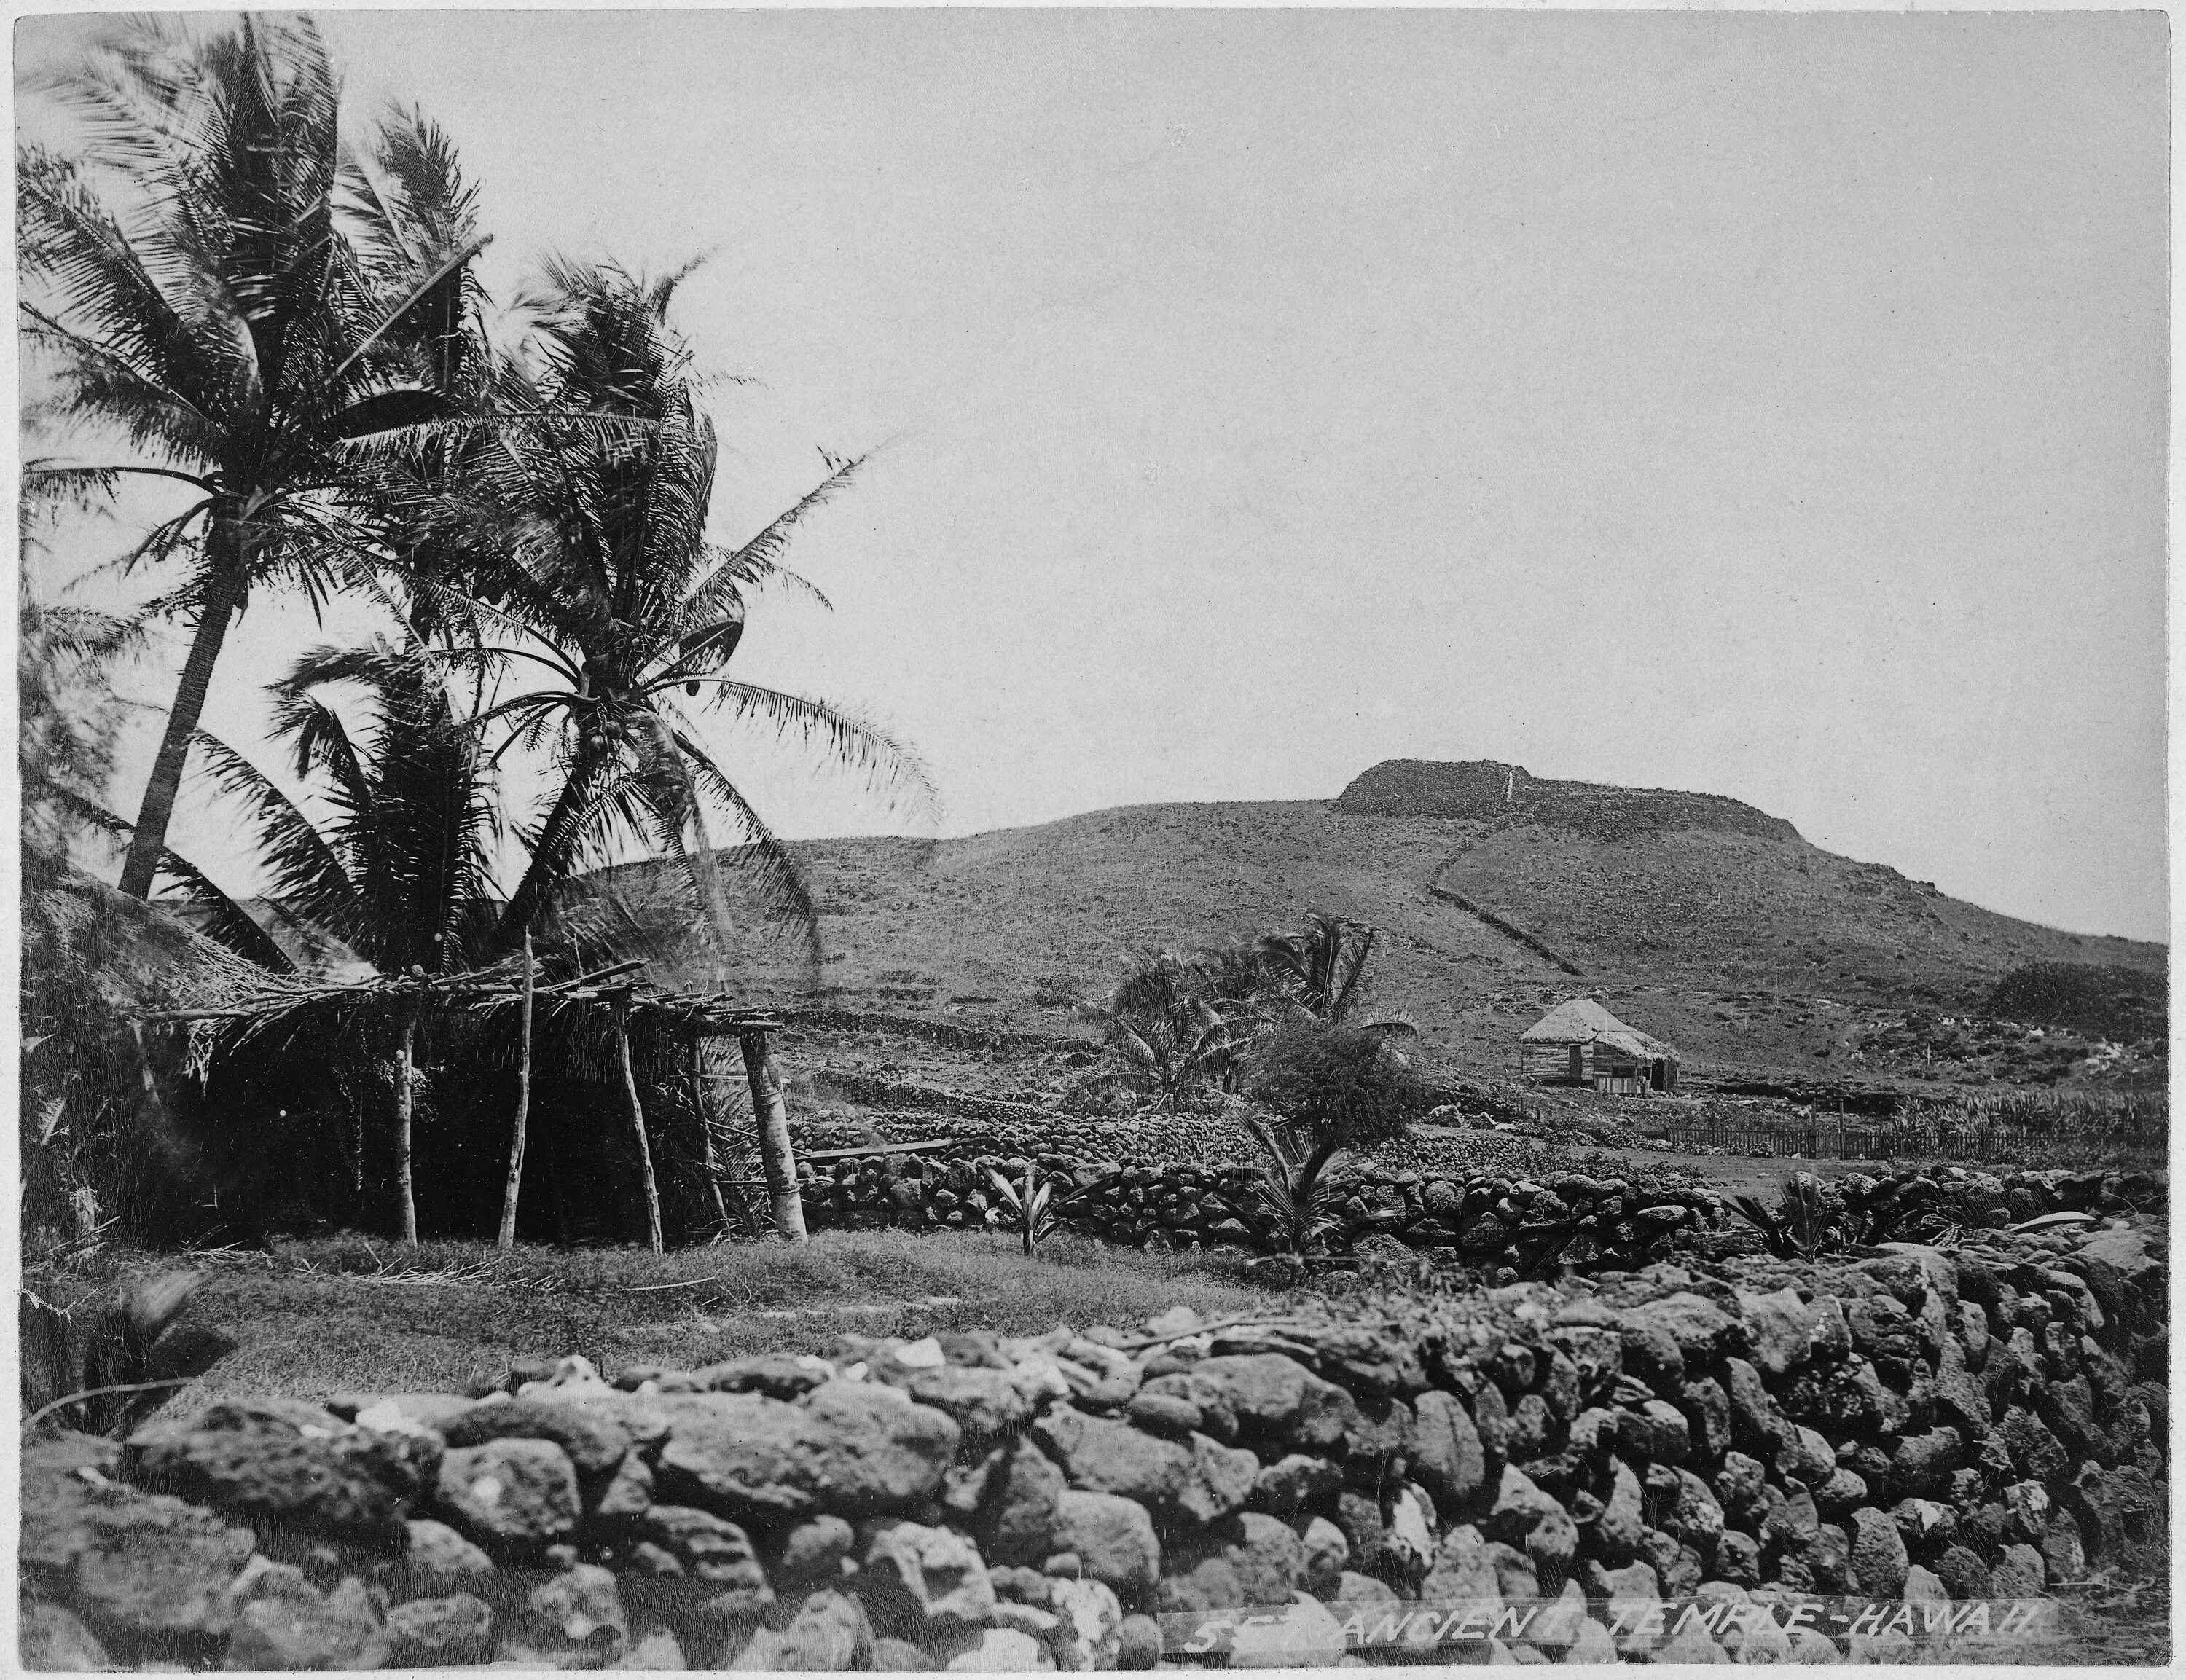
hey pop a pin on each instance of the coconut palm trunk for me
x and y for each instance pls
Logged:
(778, 1158)
(522, 1107)
(637, 1125)
(224, 591)
(405, 1087)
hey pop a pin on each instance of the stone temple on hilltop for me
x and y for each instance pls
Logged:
(1580, 1043)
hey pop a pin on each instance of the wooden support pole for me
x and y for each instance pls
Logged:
(637, 1125)
(405, 1073)
(522, 1107)
(713, 1161)
(772, 1116)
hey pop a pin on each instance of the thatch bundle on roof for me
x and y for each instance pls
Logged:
(102, 1137)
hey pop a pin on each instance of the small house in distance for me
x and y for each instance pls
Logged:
(1580, 1043)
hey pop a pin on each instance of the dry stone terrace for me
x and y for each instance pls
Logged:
(1574, 1219)
(1903, 1424)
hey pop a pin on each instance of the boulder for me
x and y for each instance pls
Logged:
(713, 1553)
(1017, 1519)
(1293, 1481)
(1526, 1517)
(1616, 1531)
(340, 1631)
(1447, 1458)
(827, 1633)
(812, 1553)
(1138, 1643)
(1327, 1552)
(432, 1632)
(1704, 1333)
(137, 1566)
(516, 1496)
(985, 1403)
(1247, 1559)
(1113, 1539)
(592, 1435)
(1089, 1623)
(1654, 1429)
(916, 1578)
(288, 1462)
(1278, 1401)
(865, 1446)
(1879, 1560)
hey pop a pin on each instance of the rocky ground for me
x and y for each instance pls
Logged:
(1873, 1454)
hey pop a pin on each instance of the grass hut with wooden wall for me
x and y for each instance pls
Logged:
(1580, 1043)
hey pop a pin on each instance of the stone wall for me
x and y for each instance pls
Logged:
(1592, 1223)
(1903, 1423)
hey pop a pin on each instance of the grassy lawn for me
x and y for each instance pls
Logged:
(345, 1313)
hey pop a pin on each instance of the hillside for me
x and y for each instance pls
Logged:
(1706, 922)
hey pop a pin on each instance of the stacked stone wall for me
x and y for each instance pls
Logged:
(1907, 1424)
(1572, 1220)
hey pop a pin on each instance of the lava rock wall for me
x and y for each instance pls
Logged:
(1904, 1423)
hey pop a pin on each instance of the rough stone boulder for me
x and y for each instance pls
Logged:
(137, 1566)
(340, 1631)
(863, 1449)
(1112, 1538)
(592, 1437)
(514, 1497)
(1447, 1457)
(916, 1578)
(1703, 1332)
(1278, 1401)
(289, 1461)
(1249, 1560)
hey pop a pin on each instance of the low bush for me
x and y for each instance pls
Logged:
(1333, 1079)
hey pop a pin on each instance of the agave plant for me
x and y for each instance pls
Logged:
(1287, 1207)
(1030, 1208)
(1811, 1218)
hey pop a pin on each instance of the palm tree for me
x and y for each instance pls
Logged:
(1172, 1037)
(606, 592)
(1322, 964)
(193, 287)
(401, 873)
(611, 596)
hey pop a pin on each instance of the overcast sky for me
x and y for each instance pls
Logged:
(1768, 405)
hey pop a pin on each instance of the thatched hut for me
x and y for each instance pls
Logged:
(177, 1091)
(1580, 1043)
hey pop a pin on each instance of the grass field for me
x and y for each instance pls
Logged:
(316, 1317)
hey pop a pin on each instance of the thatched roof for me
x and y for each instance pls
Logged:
(1582, 1020)
(103, 945)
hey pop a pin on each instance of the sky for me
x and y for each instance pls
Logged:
(1767, 406)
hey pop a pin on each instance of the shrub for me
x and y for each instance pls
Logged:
(1338, 1080)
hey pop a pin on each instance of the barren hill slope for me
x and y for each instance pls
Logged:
(1705, 922)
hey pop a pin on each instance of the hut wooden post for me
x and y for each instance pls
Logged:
(522, 1107)
(772, 1116)
(706, 1128)
(406, 1079)
(637, 1124)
